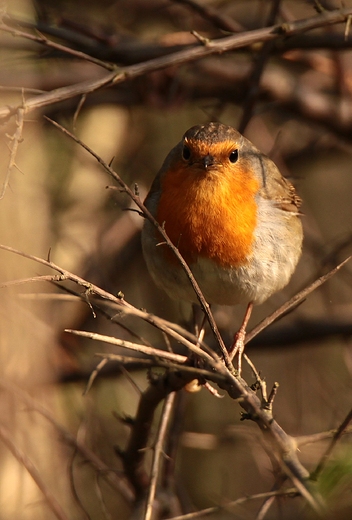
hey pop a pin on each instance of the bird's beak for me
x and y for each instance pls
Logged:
(208, 160)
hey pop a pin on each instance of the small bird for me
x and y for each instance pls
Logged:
(233, 217)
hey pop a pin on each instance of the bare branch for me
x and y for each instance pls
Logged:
(219, 46)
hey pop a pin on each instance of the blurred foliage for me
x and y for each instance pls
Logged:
(336, 480)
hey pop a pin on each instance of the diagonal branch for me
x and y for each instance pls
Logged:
(43, 40)
(294, 301)
(213, 15)
(337, 435)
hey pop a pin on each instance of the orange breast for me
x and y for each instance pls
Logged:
(209, 214)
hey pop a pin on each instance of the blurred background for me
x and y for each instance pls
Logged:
(292, 99)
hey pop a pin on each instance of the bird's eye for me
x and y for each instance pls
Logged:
(186, 153)
(233, 157)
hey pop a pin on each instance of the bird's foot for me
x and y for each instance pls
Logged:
(238, 348)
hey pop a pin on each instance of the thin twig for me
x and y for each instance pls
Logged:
(130, 379)
(21, 90)
(78, 110)
(230, 505)
(40, 278)
(258, 379)
(208, 12)
(315, 500)
(348, 27)
(98, 308)
(302, 440)
(293, 302)
(94, 374)
(257, 72)
(16, 139)
(272, 396)
(106, 512)
(265, 508)
(73, 486)
(141, 348)
(43, 40)
(158, 453)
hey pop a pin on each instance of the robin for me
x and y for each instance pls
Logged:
(234, 218)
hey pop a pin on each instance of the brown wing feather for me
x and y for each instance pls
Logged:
(279, 190)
